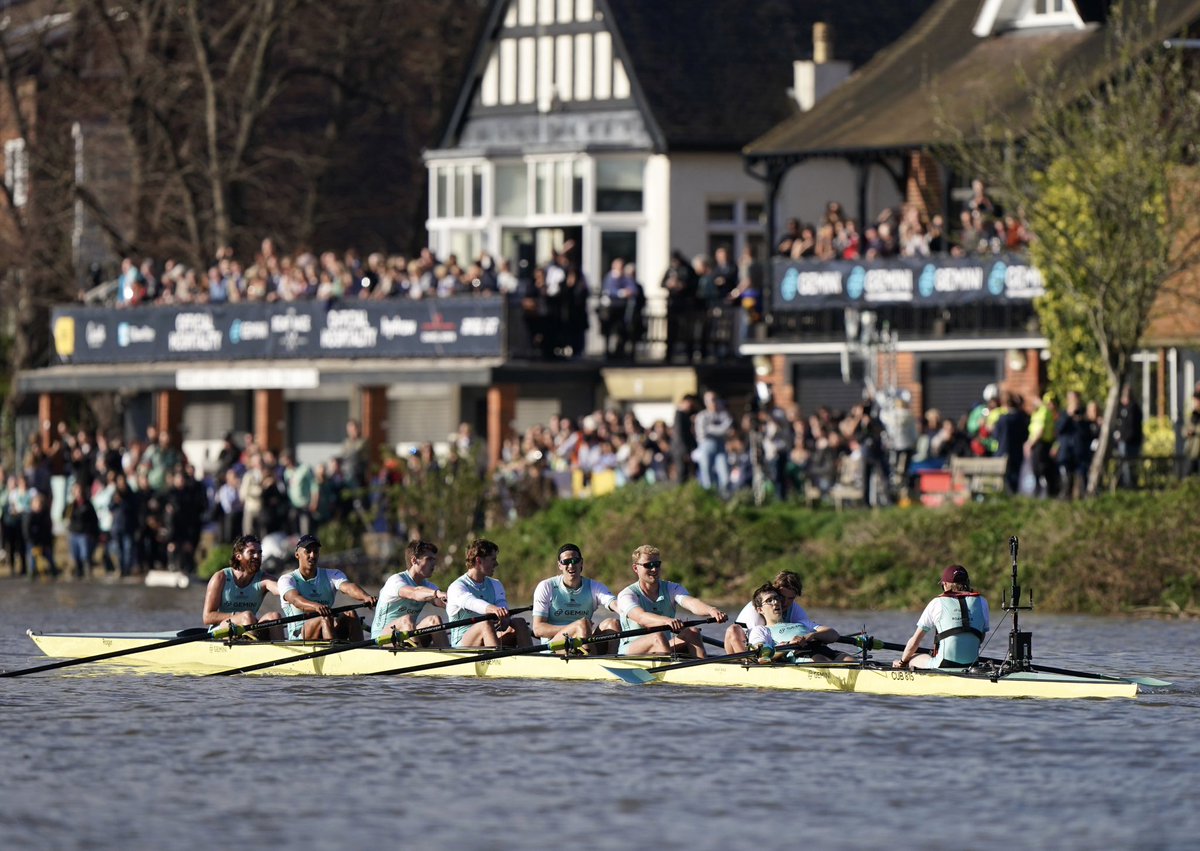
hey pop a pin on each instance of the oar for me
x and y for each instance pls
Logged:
(552, 646)
(219, 634)
(377, 641)
(1149, 682)
(641, 676)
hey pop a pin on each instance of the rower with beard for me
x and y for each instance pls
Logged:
(405, 594)
(310, 588)
(958, 619)
(651, 602)
(563, 605)
(790, 587)
(477, 593)
(235, 594)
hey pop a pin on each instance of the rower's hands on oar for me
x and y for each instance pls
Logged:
(498, 612)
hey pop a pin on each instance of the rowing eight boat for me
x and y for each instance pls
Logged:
(203, 657)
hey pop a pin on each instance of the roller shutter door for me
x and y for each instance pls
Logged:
(531, 412)
(204, 420)
(820, 383)
(954, 387)
(426, 414)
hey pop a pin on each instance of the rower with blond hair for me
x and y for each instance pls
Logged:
(652, 601)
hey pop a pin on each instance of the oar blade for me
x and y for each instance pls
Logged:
(633, 676)
(1150, 682)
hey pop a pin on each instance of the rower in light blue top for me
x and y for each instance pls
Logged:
(958, 619)
(405, 595)
(783, 640)
(563, 605)
(790, 586)
(651, 602)
(310, 588)
(235, 593)
(477, 593)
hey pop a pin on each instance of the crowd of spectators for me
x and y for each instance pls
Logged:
(143, 505)
(272, 276)
(907, 231)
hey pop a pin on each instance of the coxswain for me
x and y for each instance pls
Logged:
(236, 592)
(790, 587)
(405, 594)
(651, 601)
(958, 619)
(790, 641)
(563, 605)
(476, 592)
(310, 588)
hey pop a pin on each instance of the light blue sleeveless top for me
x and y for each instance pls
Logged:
(487, 591)
(399, 607)
(319, 589)
(662, 605)
(568, 605)
(236, 599)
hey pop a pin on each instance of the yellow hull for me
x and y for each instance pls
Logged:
(204, 657)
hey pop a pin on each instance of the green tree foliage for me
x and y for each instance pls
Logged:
(1098, 167)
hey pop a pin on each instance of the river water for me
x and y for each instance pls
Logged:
(159, 762)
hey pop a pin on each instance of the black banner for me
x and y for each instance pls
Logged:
(917, 281)
(467, 327)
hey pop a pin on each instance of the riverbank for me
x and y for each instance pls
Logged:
(1117, 553)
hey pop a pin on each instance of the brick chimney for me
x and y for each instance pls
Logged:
(815, 78)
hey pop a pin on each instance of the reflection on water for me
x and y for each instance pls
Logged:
(155, 761)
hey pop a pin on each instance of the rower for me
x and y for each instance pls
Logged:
(563, 605)
(310, 588)
(477, 593)
(958, 618)
(405, 594)
(790, 586)
(235, 593)
(652, 601)
(792, 641)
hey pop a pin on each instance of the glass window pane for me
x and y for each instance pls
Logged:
(617, 243)
(443, 192)
(577, 187)
(477, 191)
(462, 177)
(510, 190)
(721, 240)
(720, 211)
(545, 187)
(619, 185)
(754, 213)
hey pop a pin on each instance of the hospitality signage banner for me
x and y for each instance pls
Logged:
(917, 282)
(468, 327)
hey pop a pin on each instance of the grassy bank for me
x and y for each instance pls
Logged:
(1117, 553)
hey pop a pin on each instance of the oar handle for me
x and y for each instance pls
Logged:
(234, 630)
(575, 643)
(379, 641)
(552, 646)
(397, 636)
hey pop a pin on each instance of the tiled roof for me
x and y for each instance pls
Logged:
(940, 70)
(715, 73)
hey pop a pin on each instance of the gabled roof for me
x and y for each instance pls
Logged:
(939, 68)
(714, 74)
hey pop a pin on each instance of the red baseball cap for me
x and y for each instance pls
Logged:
(956, 574)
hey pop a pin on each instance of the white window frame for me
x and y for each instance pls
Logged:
(740, 227)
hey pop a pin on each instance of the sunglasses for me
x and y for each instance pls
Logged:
(649, 565)
(568, 562)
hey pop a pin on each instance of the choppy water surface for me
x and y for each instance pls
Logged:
(158, 762)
